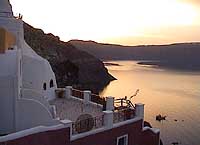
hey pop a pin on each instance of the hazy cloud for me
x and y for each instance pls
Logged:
(195, 2)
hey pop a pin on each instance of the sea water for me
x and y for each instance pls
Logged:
(171, 93)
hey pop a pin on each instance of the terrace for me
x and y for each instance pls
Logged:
(78, 116)
(86, 114)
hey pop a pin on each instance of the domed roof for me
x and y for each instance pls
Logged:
(5, 8)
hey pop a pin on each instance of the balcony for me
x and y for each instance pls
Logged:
(89, 112)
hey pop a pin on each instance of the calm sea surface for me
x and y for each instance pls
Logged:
(167, 92)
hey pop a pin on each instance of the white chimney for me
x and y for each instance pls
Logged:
(5, 8)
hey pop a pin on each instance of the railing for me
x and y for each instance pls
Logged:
(90, 123)
(124, 102)
(77, 93)
(123, 110)
(93, 97)
(98, 99)
(123, 115)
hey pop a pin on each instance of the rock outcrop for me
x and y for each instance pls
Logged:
(71, 66)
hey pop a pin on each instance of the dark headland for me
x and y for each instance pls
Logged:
(71, 65)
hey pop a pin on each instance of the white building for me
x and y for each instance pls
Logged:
(28, 87)
(27, 81)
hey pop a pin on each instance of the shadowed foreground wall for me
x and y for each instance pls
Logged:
(62, 137)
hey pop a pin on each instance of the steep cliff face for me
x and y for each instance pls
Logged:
(71, 66)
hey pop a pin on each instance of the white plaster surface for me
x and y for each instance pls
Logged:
(5, 6)
(36, 72)
(139, 110)
(6, 104)
(32, 113)
(110, 103)
(8, 63)
(154, 130)
(23, 101)
(32, 94)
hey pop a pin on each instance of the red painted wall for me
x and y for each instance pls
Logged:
(149, 138)
(62, 137)
(110, 137)
(56, 137)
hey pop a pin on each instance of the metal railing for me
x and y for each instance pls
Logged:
(123, 115)
(98, 99)
(87, 124)
(94, 97)
(124, 110)
(78, 93)
(123, 102)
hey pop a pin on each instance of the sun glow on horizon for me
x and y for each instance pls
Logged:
(110, 20)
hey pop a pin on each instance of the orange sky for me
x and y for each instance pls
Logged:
(129, 22)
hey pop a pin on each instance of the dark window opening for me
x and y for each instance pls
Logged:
(10, 48)
(123, 140)
(45, 86)
(51, 84)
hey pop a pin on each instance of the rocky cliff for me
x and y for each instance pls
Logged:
(71, 66)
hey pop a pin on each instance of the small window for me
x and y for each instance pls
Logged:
(44, 86)
(122, 140)
(10, 48)
(51, 84)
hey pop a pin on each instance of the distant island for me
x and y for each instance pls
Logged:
(155, 63)
(149, 63)
(184, 56)
(111, 64)
(170, 65)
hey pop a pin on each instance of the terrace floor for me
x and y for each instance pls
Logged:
(72, 108)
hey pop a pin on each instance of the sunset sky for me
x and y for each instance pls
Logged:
(129, 22)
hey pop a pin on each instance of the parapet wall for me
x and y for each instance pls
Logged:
(62, 136)
(38, 136)
(150, 135)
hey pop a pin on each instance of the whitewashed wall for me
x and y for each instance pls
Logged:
(8, 75)
(31, 94)
(37, 71)
(22, 70)
(6, 105)
(32, 113)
